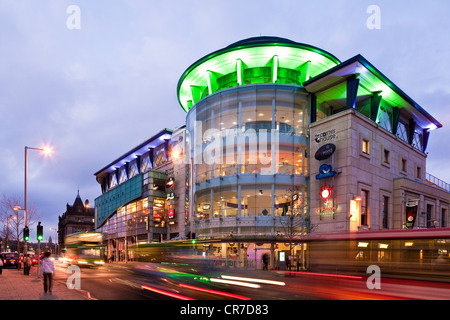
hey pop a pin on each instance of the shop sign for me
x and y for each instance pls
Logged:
(411, 213)
(170, 182)
(325, 171)
(158, 203)
(326, 191)
(170, 196)
(325, 136)
(171, 213)
(325, 211)
(325, 151)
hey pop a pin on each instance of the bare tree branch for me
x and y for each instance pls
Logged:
(12, 217)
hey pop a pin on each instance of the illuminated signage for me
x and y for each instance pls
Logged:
(325, 171)
(170, 196)
(325, 151)
(325, 136)
(171, 213)
(170, 182)
(326, 191)
(323, 211)
(158, 202)
(411, 213)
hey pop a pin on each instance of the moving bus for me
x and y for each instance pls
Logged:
(84, 249)
(419, 254)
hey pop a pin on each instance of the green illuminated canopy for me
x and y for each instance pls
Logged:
(253, 60)
(371, 82)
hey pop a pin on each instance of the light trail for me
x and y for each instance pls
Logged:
(226, 294)
(167, 293)
(277, 283)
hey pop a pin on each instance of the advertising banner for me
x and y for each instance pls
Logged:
(411, 213)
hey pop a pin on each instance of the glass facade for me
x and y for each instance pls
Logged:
(249, 157)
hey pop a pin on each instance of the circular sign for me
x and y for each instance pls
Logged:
(170, 182)
(326, 191)
(325, 151)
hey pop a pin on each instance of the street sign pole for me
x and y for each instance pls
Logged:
(39, 259)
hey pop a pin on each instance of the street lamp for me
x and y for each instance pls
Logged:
(46, 151)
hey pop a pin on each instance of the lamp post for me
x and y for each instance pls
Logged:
(46, 150)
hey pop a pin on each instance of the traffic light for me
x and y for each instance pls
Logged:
(26, 234)
(40, 232)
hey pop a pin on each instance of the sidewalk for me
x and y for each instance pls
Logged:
(14, 285)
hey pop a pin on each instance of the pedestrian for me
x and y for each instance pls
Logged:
(27, 265)
(1, 264)
(47, 270)
(265, 260)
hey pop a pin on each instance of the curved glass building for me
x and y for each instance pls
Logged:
(281, 140)
(247, 127)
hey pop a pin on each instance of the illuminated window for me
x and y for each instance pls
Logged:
(122, 174)
(112, 181)
(384, 120)
(417, 140)
(133, 169)
(366, 146)
(145, 165)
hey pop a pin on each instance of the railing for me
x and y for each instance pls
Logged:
(432, 180)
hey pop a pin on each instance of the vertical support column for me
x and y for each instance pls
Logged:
(138, 163)
(375, 102)
(395, 119)
(275, 65)
(313, 113)
(425, 137)
(352, 91)
(150, 157)
(239, 199)
(273, 203)
(239, 134)
(240, 65)
(196, 93)
(273, 132)
(304, 71)
(211, 167)
(212, 81)
(412, 129)
(211, 201)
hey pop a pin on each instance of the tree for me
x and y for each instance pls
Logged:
(295, 220)
(12, 217)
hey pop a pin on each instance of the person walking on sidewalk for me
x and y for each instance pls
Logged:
(47, 270)
(1, 264)
(27, 265)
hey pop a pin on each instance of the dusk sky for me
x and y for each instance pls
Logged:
(96, 82)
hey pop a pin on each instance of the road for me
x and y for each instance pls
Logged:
(148, 281)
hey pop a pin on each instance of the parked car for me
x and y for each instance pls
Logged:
(10, 259)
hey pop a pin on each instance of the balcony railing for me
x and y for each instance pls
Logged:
(432, 180)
